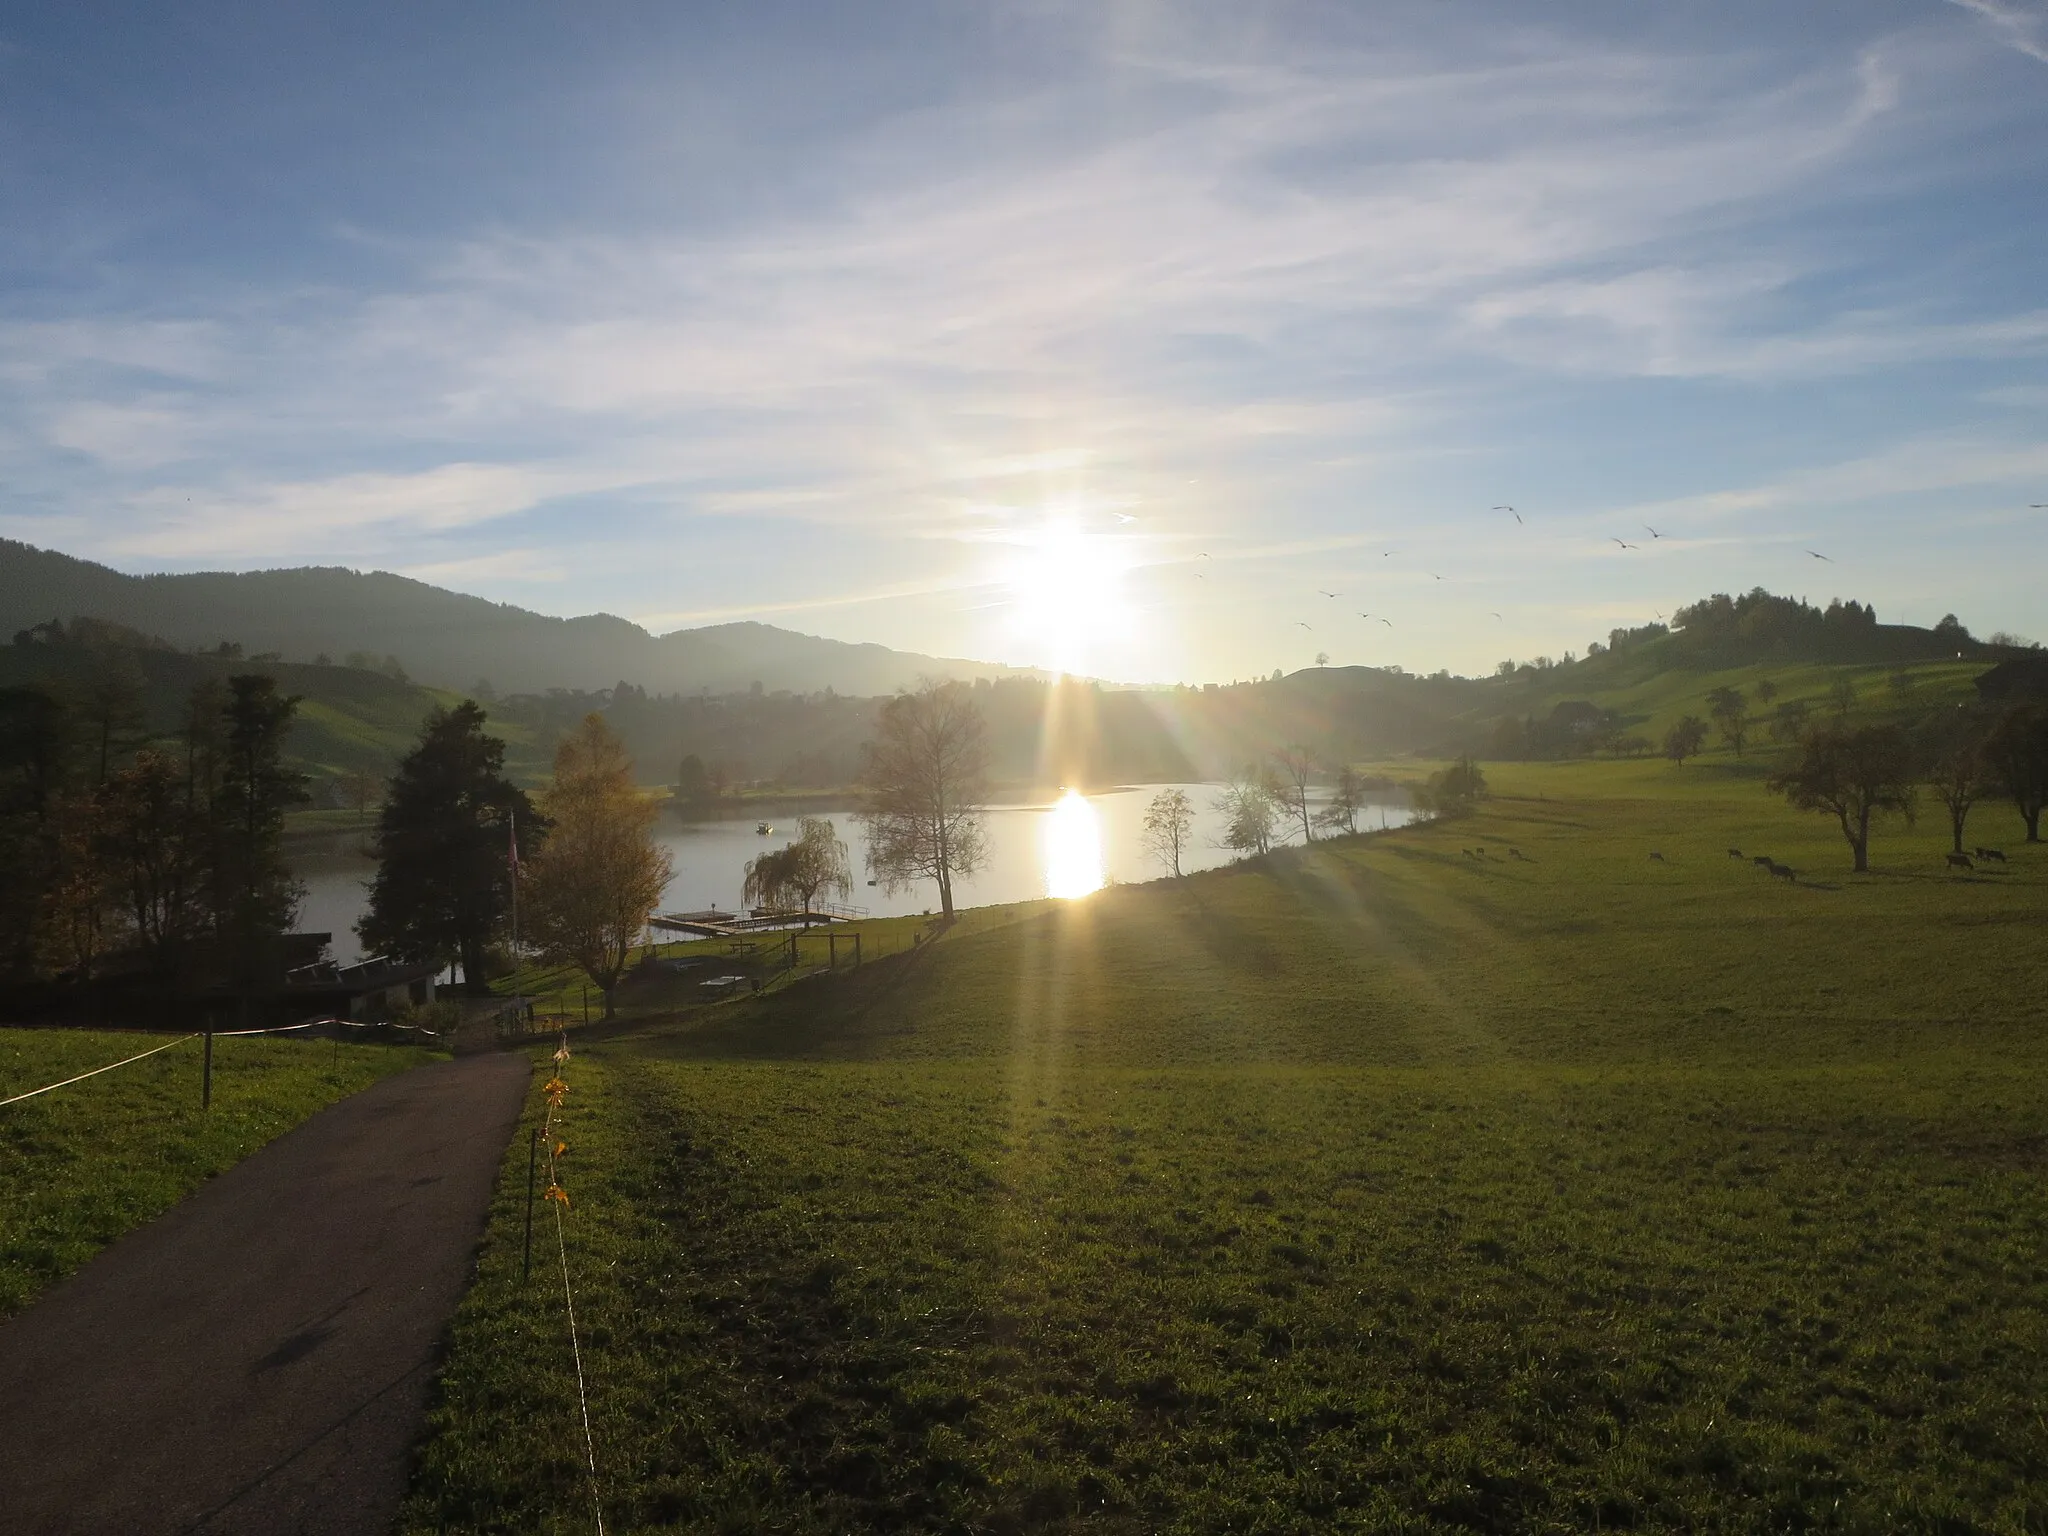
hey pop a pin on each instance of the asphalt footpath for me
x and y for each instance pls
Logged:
(257, 1360)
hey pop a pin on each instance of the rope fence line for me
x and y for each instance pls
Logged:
(218, 1034)
(555, 1089)
(96, 1071)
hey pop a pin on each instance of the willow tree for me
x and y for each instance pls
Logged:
(814, 863)
(925, 781)
(598, 877)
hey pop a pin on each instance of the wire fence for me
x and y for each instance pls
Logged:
(208, 1036)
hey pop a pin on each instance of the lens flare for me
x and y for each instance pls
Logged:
(1073, 847)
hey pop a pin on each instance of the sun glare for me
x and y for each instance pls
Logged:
(1073, 847)
(1067, 596)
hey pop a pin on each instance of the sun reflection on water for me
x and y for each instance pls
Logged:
(1073, 847)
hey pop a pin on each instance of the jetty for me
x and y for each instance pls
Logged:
(714, 924)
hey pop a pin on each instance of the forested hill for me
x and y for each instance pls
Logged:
(446, 638)
(1789, 660)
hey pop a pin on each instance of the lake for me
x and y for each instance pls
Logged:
(1038, 849)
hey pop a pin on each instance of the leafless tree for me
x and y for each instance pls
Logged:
(1292, 770)
(1169, 823)
(925, 781)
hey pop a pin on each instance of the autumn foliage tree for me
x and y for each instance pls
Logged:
(597, 879)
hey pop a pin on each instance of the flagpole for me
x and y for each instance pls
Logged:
(513, 862)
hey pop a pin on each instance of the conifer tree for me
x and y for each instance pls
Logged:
(443, 888)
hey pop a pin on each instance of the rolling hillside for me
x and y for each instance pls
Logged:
(446, 638)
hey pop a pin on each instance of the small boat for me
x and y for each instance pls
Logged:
(762, 828)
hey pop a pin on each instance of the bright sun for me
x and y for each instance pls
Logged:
(1067, 596)
(1073, 847)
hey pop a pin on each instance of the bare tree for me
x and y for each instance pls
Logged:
(1842, 694)
(1169, 823)
(599, 875)
(1292, 769)
(925, 781)
(1959, 776)
(1855, 774)
(1766, 690)
(360, 791)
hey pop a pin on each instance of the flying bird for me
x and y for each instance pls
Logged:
(1624, 543)
(1433, 573)
(2038, 506)
(1819, 556)
(1125, 517)
(1653, 532)
(1306, 626)
(1497, 616)
(1330, 594)
(1517, 515)
(1365, 615)
(1388, 622)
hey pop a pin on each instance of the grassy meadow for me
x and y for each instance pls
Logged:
(1388, 1185)
(83, 1165)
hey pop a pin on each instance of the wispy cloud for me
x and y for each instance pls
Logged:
(1268, 286)
(2015, 25)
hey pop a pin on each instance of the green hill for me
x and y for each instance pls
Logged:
(445, 637)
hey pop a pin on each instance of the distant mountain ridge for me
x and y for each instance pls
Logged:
(448, 638)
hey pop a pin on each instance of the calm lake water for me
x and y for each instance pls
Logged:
(1047, 848)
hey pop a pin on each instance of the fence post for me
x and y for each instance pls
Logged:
(831, 950)
(206, 1069)
(856, 949)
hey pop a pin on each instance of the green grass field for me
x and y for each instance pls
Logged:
(1384, 1186)
(86, 1163)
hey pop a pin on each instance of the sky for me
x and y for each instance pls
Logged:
(1156, 341)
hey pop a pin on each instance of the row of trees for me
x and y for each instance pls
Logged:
(1261, 807)
(155, 848)
(1860, 774)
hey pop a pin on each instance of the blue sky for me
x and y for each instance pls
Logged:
(1098, 335)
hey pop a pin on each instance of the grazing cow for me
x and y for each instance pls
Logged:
(1658, 857)
(1514, 853)
(1784, 872)
(1734, 853)
(1762, 861)
(1960, 861)
(1991, 855)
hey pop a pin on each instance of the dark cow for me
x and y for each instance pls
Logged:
(1960, 861)
(1658, 857)
(1734, 853)
(1784, 872)
(1991, 855)
(1762, 861)
(1514, 853)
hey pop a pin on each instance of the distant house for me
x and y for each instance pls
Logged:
(2017, 680)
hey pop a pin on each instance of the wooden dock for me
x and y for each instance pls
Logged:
(714, 924)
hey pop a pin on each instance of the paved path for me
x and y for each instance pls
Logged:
(258, 1358)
